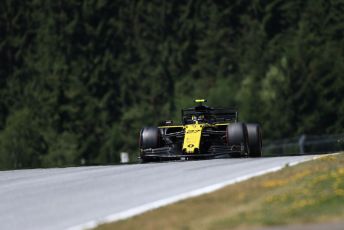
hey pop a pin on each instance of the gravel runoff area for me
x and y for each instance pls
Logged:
(321, 226)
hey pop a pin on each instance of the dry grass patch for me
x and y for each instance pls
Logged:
(307, 193)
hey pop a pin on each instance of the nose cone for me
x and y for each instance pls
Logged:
(192, 138)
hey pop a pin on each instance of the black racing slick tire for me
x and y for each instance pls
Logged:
(150, 138)
(254, 140)
(236, 135)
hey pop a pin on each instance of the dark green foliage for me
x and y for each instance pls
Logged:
(21, 143)
(78, 79)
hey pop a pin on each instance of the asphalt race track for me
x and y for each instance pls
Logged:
(82, 196)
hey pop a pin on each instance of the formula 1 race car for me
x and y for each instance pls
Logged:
(205, 132)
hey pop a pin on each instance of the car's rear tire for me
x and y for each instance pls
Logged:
(254, 140)
(150, 138)
(236, 135)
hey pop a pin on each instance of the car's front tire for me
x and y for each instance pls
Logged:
(150, 138)
(236, 135)
(254, 140)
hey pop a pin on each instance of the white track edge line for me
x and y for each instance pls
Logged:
(164, 202)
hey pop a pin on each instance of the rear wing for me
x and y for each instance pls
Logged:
(212, 115)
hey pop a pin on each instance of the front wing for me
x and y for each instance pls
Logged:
(170, 153)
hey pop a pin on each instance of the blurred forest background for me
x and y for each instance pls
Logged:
(78, 79)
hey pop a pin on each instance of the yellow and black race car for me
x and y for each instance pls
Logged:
(205, 132)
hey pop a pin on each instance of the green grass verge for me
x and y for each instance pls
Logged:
(311, 192)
